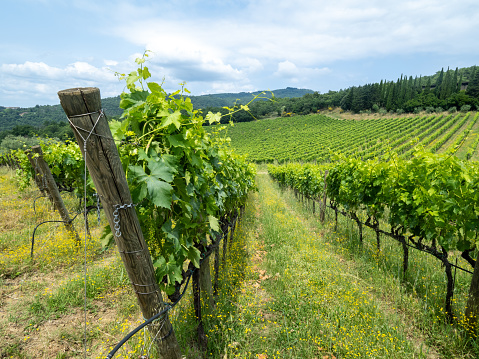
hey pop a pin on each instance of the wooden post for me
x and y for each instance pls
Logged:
(83, 107)
(472, 307)
(53, 191)
(202, 340)
(206, 284)
(37, 175)
(323, 207)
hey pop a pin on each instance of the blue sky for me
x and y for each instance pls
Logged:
(228, 46)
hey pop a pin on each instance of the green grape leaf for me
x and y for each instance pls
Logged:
(170, 269)
(213, 117)
(159, 191)
(161, 170)
(155, 88)
(178, 140)
(214, 224)
(194, 256)
(173, 118)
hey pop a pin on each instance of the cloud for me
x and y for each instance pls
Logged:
(75, 71)
(37, 81)
(287, 69)
(304, 33)
(305, 76)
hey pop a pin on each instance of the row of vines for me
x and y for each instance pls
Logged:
(428, 202)
(313, 137)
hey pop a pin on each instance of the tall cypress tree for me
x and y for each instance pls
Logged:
(409, 89)
(444, 91)
(419, 85)
(473, 86)
(439, 80)
(391, 96)
(428, 86)
(459, 84)
(453, 88)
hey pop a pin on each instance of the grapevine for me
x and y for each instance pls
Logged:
(183, 179)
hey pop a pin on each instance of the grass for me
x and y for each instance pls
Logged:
(290, 288)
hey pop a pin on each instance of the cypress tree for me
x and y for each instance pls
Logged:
(390, 98)
(381, 93)
(453, 87)
(439, 80)
(459, 84)
(409, 90)
(473, 86)
(419, 85)
(428, 86)
(445, 86)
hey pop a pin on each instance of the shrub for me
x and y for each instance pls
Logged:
(439, 109)
(399, 111)
(452, 109)
(382, 111)
(417, 110)
(429, 109)
(375, 108)
(465, 108)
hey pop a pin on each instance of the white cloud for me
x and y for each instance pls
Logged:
(110, 62)
(37, 81)
(287, 69)
(75, 71)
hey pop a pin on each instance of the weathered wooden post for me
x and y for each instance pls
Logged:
(206, 284)
(53, 191)
(472, 307)
(323, 206)
(37, 175)
(83, 108)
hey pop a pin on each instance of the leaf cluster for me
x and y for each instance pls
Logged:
(183, 179)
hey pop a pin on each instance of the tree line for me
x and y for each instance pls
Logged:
(450, 90)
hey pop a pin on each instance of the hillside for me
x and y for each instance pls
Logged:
(36, 116)
(314, 137)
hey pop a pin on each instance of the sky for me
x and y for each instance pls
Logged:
(218, 46)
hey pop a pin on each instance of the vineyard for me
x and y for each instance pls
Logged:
(151, 237)
(316, 137)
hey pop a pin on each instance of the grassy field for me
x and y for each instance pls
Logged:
(290, 288)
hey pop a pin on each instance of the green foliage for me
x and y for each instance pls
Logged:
(183, 178)
(432, 197)
(11, 142)
(65, 162)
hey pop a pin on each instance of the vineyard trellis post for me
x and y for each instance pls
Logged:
(206, 284)
(53, 192)
(83, 108)
(472, 306)
(37, 175)
(323, 207)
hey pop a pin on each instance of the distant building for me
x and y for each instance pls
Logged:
(463, 86)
